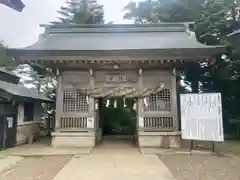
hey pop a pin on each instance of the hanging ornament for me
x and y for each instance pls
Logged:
(13, 103)
(87, 99)
(124, 101)
(145, 100)
(135, 106)
(115, 103)
(108, 103)
(96, 105)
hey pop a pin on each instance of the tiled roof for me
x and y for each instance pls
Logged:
(86, 39)
(14, 4)
(19, 90)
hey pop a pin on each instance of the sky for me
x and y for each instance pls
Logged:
(22, 29)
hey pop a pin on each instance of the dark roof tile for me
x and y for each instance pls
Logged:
(19, 90)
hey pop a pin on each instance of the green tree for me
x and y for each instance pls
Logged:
(80, 12)
(155, 11)
(6, 63)
(213, 20)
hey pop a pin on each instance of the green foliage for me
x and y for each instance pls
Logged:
(236, 123)
(120, 119)
(213, 20)
(81, 12)
(232, 146)
(6, 62)
(155, 11)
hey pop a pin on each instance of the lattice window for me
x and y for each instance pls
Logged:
(159, 102)
(158, 122)
(73, 122)
(73, 101)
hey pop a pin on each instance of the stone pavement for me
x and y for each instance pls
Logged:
(42, 148)
(115, 161)
(35, 168)
(161, 151)
(8, 162)
(49, 151)
(112, 160)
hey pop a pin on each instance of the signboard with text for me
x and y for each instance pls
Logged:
(201, 117)
(116, 78)
(90, 122)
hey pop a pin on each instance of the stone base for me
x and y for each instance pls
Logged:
(72, 139)
(26, 131)
(99, 134)
(159, 139)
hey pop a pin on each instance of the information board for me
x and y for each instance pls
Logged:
(90, 122)
(201, 117)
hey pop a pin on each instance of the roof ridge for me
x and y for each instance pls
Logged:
(162, 24)
(116, 28)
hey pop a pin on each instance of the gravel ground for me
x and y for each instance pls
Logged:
(203, 167)
(36, 168)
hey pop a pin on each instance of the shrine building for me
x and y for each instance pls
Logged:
(94, 63)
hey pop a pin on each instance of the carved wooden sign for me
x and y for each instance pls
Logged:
(116, 78)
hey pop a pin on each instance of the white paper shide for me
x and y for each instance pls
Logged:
(201, 117)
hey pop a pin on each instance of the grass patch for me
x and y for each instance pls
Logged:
(233, 146)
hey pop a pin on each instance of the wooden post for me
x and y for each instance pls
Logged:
(91, 100)
(140, 100)
(59, 100)
(174, 101)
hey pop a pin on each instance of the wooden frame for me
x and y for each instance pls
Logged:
(89, 75)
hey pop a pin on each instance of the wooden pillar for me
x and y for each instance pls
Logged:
(140, 100)
(91, 100)
(59, 100)
(174, 101)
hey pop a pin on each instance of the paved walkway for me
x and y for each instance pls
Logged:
(8, 162)
(34, 168)
(115, 161)
(42, 148)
